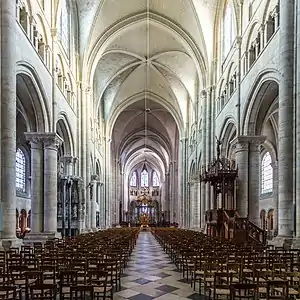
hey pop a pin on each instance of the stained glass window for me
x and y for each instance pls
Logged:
(229, 31)
(155, 179)
(144, 178)
(20, 170)
(64, 26)
(133, 179)
(266, 174)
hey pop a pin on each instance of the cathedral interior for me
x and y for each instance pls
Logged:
(131, 127)
(118, 113)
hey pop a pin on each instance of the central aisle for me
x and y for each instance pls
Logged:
(151, 275)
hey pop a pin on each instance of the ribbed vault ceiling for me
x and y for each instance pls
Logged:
(146, 61)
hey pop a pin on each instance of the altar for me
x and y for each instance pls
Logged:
(144, 211)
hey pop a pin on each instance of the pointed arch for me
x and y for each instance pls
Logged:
(228, 28)
(155, 179)
(144, 178)
(133, 179)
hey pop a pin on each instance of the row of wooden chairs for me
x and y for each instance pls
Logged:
(87, 266)
(220, 268)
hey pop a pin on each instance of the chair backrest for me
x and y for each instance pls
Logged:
(243, 291)
(81, 292)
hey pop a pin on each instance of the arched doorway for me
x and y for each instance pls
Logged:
(263, 223)
(23, 220)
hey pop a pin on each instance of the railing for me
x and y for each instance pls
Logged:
(252, 231)
(229, 224)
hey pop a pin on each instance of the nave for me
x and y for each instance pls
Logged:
(150, 274)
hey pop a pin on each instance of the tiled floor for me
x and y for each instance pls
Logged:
(151, 275)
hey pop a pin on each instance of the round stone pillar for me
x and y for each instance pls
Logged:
(241, 156)
(37, 181)
(202, 203)
(275, 192)
(298, 126)
(51, 144)
(94, 201)
(8, 117)
(285, 119)
(254, 178)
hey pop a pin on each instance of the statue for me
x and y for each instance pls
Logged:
(219, 143)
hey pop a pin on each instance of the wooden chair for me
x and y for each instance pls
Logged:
(243, 291)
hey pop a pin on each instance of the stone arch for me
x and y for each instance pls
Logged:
(271, 219)
(262, 94)
(251, 33)
(41, 27)
(263, 216)
(230, 71)
(98, 169)
(199, 164)
(31, 100)
(270, 4)
(192, 171)
(23, 220)
(63, 129)
(269, 147)
(221, 87)
(226, 137)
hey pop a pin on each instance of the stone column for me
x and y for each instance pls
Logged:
(184, 187)
(197, 222)
(204, 201)
(275, 192)
(285, 119)
(101, 206)
(93, 201)
(262, 37)
(254, 178)
(209, 141)
(298, 124)
(88, 99)
(241, 156)
(69, 162)
(51, 144)
(37, 182)
(8, 118)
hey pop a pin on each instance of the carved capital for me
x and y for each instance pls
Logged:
(95, 177)
(239, 41)
(69, 159)
(52, 142)
(53, 32)
(242, 143)
(49, 139)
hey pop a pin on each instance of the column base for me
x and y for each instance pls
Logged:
(6, 244)
(40, 237)
(296, 243)
(281, 241)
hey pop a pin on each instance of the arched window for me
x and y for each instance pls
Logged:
(155, 179)
(20, 171)
(229, 31)
(266, 174)
(133, 179)
(64, 26)
(144, 179)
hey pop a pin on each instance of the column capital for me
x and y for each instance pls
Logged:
(274, 164)
(95, 177)
(53, 32)
(242, 142)
(69, 159)
(244, 139)
(239, 41)
(49, 139)
(52, 141)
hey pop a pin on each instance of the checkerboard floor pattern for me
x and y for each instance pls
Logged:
(151, 275)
